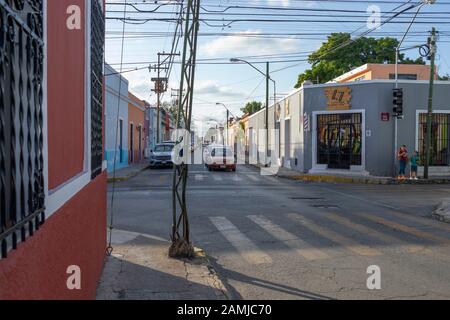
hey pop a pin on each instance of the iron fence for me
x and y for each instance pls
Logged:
(440, 139)
(22, 196)
(97, 52)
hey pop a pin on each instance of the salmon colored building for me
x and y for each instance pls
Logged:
(52, 173)
(136, 129)
(372, 71)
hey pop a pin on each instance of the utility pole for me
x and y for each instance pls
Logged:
(181, 243)
(160, 87)
(432, 44)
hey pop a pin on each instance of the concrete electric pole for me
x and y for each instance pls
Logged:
(432, 45)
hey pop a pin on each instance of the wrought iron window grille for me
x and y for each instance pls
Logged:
(22, 196)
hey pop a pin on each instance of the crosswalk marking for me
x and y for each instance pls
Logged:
(289, 239)
(372, 232)
(252, 177)
(335, 237)
(404, 228)
(217, 178)
(240, 241)
(199, 177)
(237, 178)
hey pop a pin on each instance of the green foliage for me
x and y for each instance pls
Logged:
(252, 107)
(333, 59)
(445, 78)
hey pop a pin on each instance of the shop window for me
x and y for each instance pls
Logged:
(22, 195)
(339, 140)
(440, 140)
(97, 52)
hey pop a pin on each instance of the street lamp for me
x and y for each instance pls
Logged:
(228, 116)
(268, 78)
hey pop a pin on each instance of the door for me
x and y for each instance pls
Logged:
(131, 143)
(287, 142)
(121, 140)
(339, 140)
(140, 142)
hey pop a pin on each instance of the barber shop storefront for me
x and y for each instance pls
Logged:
(350, 128)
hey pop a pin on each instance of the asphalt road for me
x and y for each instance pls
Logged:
(272, 238)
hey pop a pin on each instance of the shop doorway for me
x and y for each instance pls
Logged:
(339, 140)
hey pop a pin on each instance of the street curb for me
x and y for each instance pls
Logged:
(442, 212)
(217, 280)
(129, 176)
(361, 180)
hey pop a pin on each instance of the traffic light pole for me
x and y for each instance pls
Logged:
(430, 105)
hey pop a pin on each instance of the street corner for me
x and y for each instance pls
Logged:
(442, 211)
(140, 269)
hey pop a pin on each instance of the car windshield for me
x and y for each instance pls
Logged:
(164, 148)
(222, 152)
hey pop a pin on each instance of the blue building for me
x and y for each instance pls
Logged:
(116, 119)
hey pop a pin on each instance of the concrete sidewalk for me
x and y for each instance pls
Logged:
(352, 178)
(140, 269)
(128, 172)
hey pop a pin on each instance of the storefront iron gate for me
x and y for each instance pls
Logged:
(440, 139)
(339, 140)
(21, 138)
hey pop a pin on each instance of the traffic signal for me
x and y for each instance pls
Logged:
(398, 102)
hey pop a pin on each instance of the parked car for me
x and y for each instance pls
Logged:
(161, 156)
(220, 157)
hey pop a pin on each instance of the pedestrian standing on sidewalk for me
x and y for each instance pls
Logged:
(403, 160)
(414, 161)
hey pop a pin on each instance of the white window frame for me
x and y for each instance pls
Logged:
(323, 167)
(418, 112)
(57, 197)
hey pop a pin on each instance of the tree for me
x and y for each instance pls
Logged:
(444, 78)
(333, 59)
(252, 107)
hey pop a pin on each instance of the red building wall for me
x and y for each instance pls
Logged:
(75, 235)
(66, 93)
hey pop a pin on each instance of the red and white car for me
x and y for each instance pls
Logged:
(220, 157)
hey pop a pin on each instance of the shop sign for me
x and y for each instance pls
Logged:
(339, 98)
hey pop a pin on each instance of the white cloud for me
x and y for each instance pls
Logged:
(247, 45)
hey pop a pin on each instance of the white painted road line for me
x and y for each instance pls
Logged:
(247, 249)
(389, 240)
(336, 237)
(253, 177)
(217, 178)
(199, 177)
(291, 240)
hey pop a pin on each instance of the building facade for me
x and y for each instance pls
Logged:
(116, 119)
(136, 129)
(52, 177)
(374, 71)
(349, 128)
(166, 126)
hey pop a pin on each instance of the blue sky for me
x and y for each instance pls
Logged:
(236, 84)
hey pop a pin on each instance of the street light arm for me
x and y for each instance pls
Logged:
(251, 65)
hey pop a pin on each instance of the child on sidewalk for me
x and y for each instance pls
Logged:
(414, 160)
